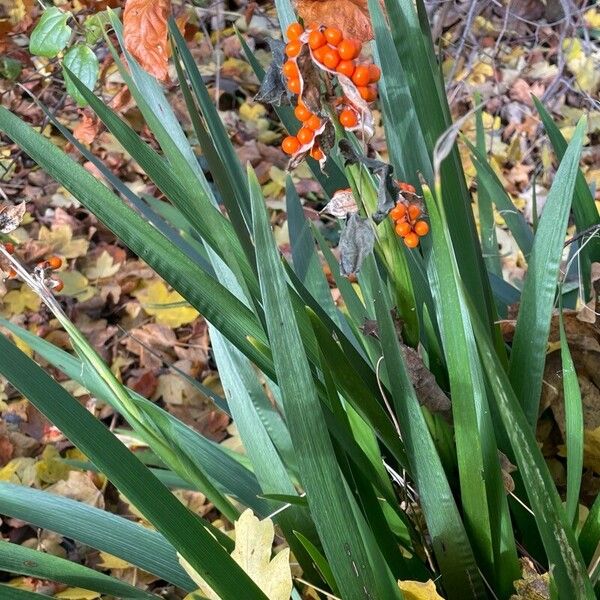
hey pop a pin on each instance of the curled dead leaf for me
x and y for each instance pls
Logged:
(87, 129)
(351, 16)
(145, 34)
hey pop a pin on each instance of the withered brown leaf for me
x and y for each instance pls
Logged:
(145, 34)
(351, 16)
(11, 216)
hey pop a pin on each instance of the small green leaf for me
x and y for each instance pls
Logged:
(93, 27)
(51, 34)
(83, 63)
(10, 68)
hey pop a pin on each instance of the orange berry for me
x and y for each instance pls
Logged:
(411, 240)
(346, 67)
(371, 93)
(316, 39)
(317, 153)
(319, 54)
(348, 49)
(361, 76)
(294, 85)
(398, 212)
(302, 113)
(348, 118)
(294, 31)
(406, 187)
(363, 90)
(290, 69)
(55, 262)
(312, 26)
(421, 228)
(403, 228)
(374, 73)
(9, 247)
(333, 35)
(293, 48)
(290, 144)
(12, 273)
(305, 135)
(413, 212)
(314, 123)
(331, 58)
(58, 286)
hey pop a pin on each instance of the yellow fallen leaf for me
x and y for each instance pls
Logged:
(16, 302)
(253, 545)
(62, 242)
(76, 286)
(417, 590)
(168, 307)
(108, 561)
(75, 593)
(19, 470)
(592, 18)
(252, 112)
(585, 66)
(50, 468)
(104, 266)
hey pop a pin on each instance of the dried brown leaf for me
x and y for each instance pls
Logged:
(145, 34)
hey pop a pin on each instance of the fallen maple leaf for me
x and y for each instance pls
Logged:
(253, 544)
(168, 307)
(145, 34)
(350, 16)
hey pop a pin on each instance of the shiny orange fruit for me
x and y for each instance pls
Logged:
(290, 144)
(9, 247)
(403, 228)
(348, 118)
(294, 31)
(294, 85)
(290, 69)
(316, 39)
(364, 92)
(349, 49)
(305, 135)
(374, 73)
(58, 286)
(346, 67)
(421, 228)
(406, 187)
(333, 35)
(12, 273)
(361, 76)
(331, 58)
(371, 94)
(55, 262)
(411, 240)
(319, 54)
(317, 153)
(314, 123)
(398, 212)
(414, 212)
(302, 113)
(293, 48)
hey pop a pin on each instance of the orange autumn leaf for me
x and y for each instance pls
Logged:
(351, 16)
(87, 129)
(145, 33)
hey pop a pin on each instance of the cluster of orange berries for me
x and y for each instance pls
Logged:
(52, 263)
(310, 125)
(331, 50)
(406, 218)
(407, 225)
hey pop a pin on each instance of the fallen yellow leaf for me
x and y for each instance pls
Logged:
(417, 590)
(18, 301)
(169, 307)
